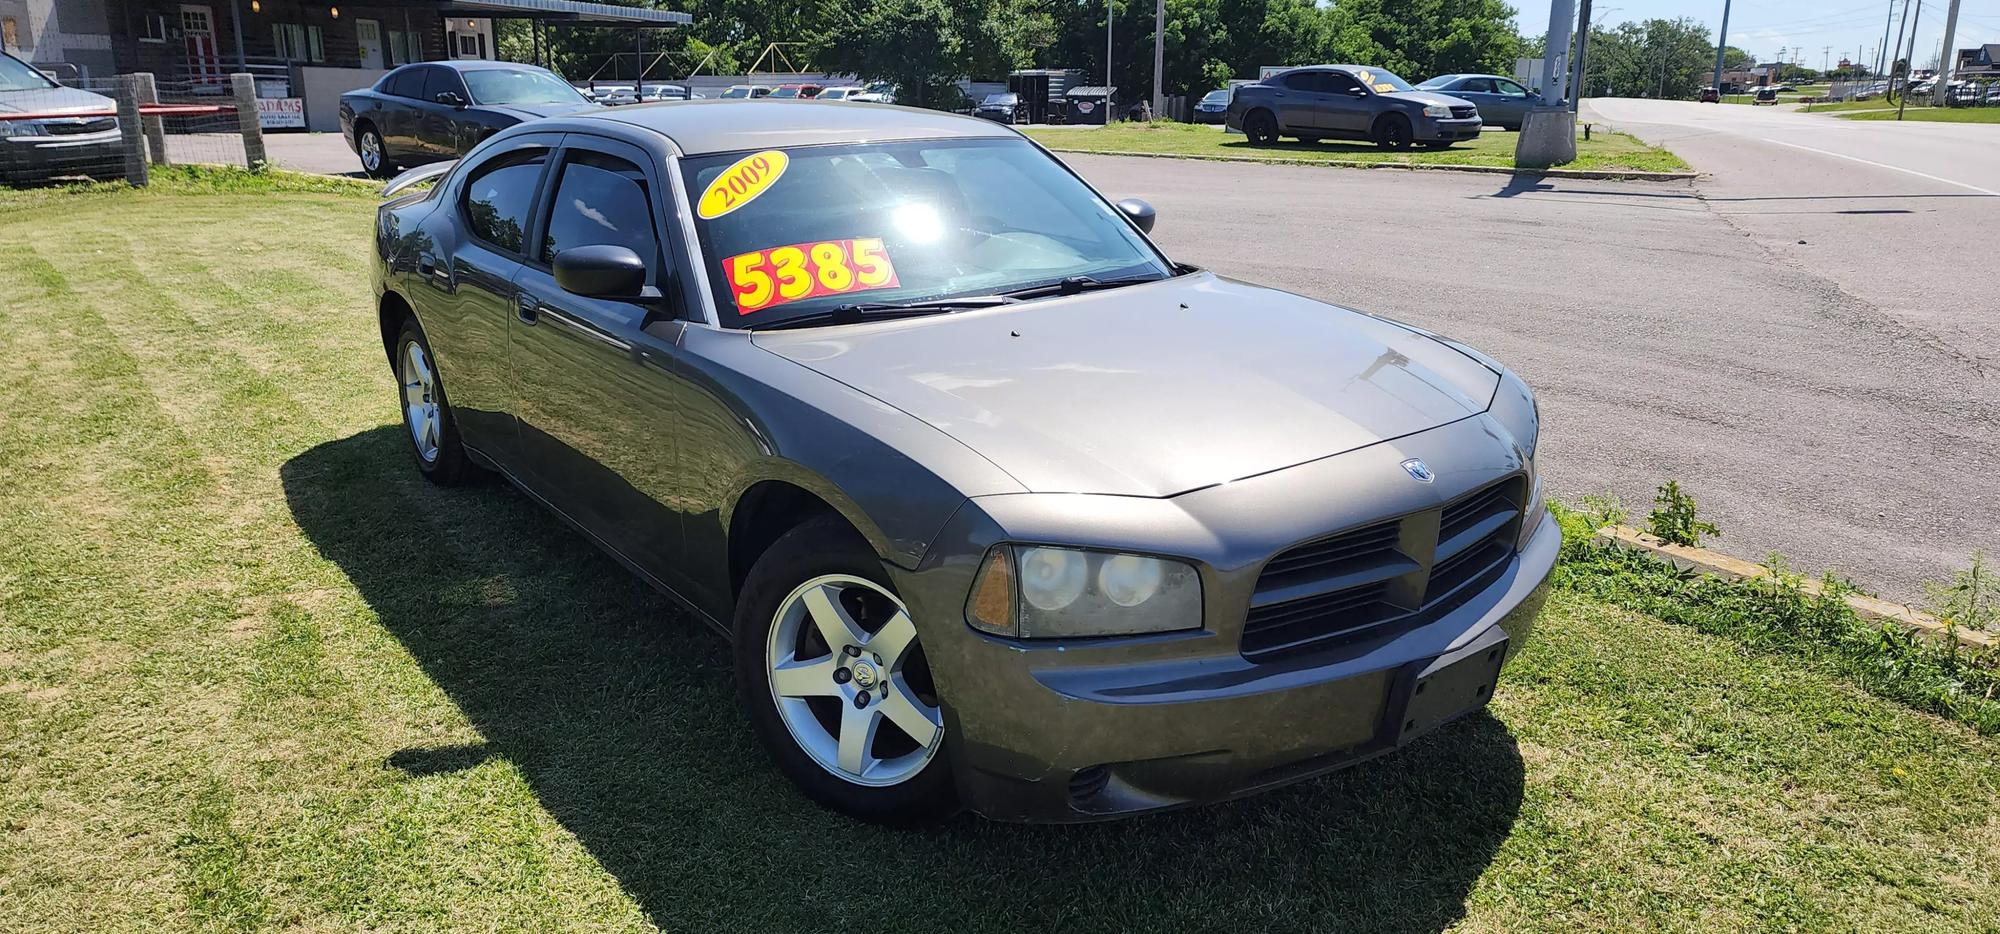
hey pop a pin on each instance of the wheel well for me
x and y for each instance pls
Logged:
(391, 315)
(363, 124)
(765, 513)
(1391, 115)
(1254, 111)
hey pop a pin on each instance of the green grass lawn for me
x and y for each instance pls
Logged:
(255, 674)
(1605, 150)
(1935, 114)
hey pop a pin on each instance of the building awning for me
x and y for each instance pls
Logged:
(569, 11)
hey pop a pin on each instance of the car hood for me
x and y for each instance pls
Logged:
(533, 111)
(1152, 390)
(1428, 97)
(53, 100)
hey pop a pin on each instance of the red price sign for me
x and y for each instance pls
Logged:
(764, 279)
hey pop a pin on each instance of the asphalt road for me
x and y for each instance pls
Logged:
(1669, 334)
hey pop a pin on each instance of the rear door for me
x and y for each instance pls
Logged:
(475, 254)
(1348, 109)
(1300, 96)
(594, 380)
(400, 115)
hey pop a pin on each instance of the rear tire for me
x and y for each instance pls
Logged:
(1393, 132)
(1260, 127)
(902, 778)
(428, 422)
(374, 153)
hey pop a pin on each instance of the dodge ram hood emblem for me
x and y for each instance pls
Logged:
(1418, 470)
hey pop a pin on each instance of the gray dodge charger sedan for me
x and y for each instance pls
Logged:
(1000, 507)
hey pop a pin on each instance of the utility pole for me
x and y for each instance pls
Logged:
(1721, 46)
(1576, 84)
(1555, 54)
(1159, 58)
(1108, 103)
(1881, 68)
(1946, 57)
(1911, 59)
(1825, 56)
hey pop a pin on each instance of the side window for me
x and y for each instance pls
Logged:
(440, 80)
(1477, 85)
(1303, 81)
(1340, 82)
(404, 82)
(1509, 88)
(601, 200)
(500, 195)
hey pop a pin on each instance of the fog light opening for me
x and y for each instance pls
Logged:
(1086, 783)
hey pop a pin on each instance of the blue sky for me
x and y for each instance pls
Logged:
(1765, 26)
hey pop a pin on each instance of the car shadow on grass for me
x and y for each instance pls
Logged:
(618, 709)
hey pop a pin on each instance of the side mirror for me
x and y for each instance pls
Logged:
(602, 271)
(1140, 212)
(449, 99)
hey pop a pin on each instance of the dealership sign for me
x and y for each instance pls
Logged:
(275, 113)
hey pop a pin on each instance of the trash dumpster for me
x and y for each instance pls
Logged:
(1089, 105)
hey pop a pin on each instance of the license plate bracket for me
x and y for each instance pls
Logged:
(1434, 692)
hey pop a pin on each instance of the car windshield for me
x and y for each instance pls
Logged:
(1381, 82)
(518, 86)
(738, 91)
(1437, 82)
(16, 75)
(998, 99)
(785, 92)
(1220, 96)
(789, 233)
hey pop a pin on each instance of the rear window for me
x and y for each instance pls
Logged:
(405, 82)
(500, 197)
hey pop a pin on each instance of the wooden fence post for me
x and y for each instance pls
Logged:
(245, 88)
(156, 131)
(131, 137)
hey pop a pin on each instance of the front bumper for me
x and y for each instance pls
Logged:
(33, 158)
(1094, 729)
(1432, 129)
(1209, 116)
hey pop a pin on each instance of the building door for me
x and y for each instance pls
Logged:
(203, 62)
(368, 35)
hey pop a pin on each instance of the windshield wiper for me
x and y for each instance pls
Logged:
(1071, 285)
(880, 311)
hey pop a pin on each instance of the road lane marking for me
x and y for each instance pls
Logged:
(1883, 165)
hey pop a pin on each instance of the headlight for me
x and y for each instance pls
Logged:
(22, 128)
(1437, 110)
(1040, 592)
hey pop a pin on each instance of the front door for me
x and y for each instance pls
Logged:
(438, 129)
(204, 62)
(368, 36)
(1347, 110)
(595, 378)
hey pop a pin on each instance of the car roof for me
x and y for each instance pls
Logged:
(478, 64)
(706, 126)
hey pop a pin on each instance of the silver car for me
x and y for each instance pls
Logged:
(1000, 506)
(47, 130)
(1502, 101)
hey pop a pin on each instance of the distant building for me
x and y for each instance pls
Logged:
(56, 33)
(1980, 63)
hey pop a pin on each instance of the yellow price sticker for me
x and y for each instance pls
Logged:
(1367, 77)
(741, 183)
(1384, 88)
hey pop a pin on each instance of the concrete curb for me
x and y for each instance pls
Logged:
(1601, 174)
(1721, 565)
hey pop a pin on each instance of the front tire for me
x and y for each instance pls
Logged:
(1393, 132)
(428, 421)
(833, 676)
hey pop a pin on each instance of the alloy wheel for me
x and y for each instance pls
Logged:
(371, 151)
(850, 681)
(420, 400)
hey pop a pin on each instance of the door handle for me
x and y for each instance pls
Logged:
(439, 276)
(528, 308)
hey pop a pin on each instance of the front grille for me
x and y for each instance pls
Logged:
(1365, 583)
(80, 127)
(1460, 113)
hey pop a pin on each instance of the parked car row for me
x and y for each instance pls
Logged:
(1353, 102)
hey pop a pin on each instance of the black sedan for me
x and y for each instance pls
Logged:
(430, 111)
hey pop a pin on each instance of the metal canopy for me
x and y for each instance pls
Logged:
(569, 11)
